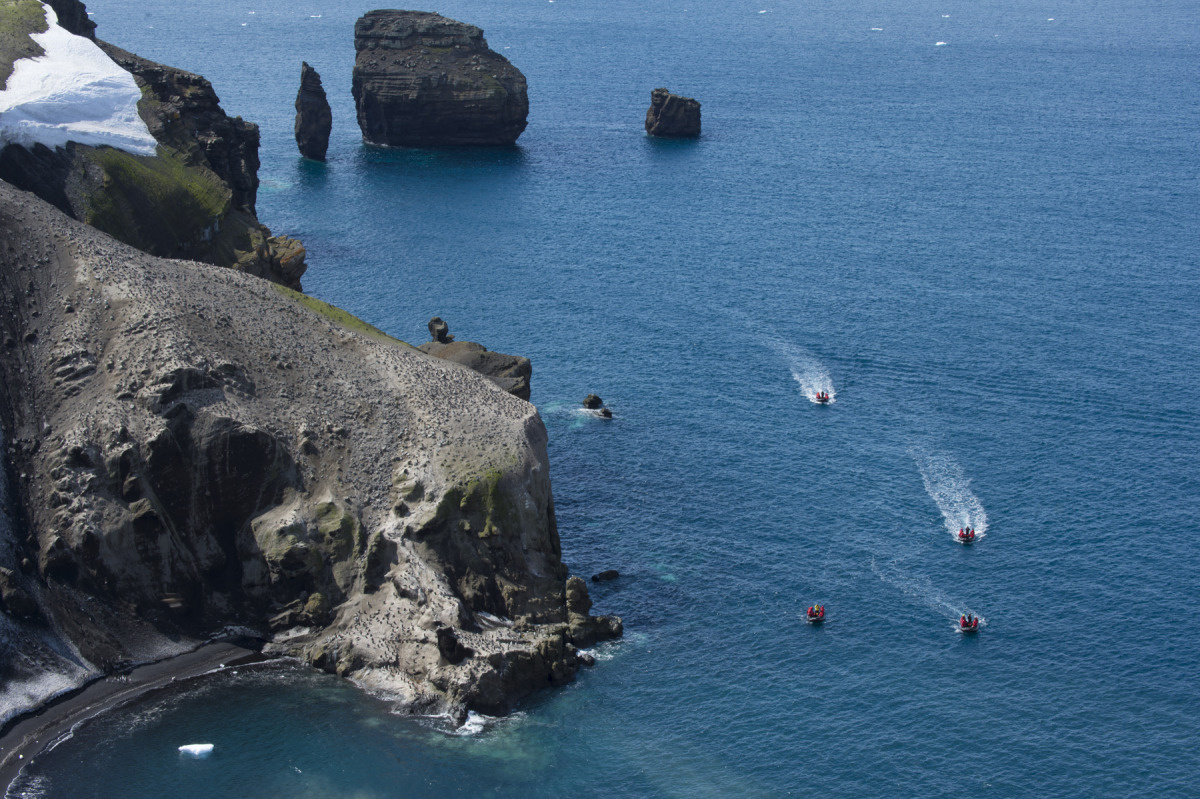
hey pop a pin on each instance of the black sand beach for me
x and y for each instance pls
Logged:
(28, 735)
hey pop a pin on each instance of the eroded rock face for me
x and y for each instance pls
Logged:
(672, 116)
(510, 372)
(422, 80)
(314, 119)
(195, 199)
(195, 449)
(72, 15)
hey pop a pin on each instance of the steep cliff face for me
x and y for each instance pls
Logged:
(196, 449)
(193, 199)
(422, 80)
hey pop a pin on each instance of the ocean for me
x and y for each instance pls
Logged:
(976, 225)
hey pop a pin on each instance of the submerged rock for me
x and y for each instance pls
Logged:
(422, 80)
(314, 119)
(672, 116)
(510, 372)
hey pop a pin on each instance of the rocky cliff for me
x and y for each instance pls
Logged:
(422, 80)
(510, 372)
(314, 118)
(672, 116)
(194, 199)
(195, 449)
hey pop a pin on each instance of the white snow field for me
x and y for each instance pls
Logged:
(74, 92)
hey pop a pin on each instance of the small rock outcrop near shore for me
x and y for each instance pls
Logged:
(593, 403)
(672, 116)
(190, 449)
(314, 119)
(510, 372)
(422, 80)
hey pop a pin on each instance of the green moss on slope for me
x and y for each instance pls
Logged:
(155, 203)
(18, 19)
(336, 315)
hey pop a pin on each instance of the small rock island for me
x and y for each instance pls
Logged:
(422, 80)
(672, 116)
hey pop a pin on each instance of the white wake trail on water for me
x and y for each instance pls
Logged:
(950, 489)
(807, 371)
(921, 588)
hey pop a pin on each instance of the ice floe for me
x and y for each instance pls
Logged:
(74, 92)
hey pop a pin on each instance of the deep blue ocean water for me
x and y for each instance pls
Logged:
(987, 249)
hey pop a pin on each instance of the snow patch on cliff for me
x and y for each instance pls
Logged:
(74, 92)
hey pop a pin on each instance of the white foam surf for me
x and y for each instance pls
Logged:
(951, 491)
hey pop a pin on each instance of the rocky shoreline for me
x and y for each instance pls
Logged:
(194, 449)
(28, 735)
(197, 448)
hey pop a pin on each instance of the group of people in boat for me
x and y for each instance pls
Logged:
(968, 622)
(816, 613)
(822, 396)
(966, 534)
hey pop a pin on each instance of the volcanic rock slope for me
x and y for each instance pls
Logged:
(194, 448)
(423, 80)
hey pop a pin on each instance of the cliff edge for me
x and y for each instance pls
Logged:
(194, 450)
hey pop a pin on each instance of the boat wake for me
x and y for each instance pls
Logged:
(951, 491)
(921, 589)
(808, 372)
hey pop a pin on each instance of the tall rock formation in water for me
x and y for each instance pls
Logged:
(672, 116)
(314, 119)
(422, 80)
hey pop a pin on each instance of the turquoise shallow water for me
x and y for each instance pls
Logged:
(987, 249)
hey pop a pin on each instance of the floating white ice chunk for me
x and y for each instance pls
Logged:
(74, 92)
(197, 750)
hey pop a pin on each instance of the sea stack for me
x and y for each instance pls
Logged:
(422, 80)
(314, 119)
(671, 116)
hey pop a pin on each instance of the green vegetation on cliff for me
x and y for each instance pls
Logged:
(336, 315)
(18, 19)
(180, 200)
